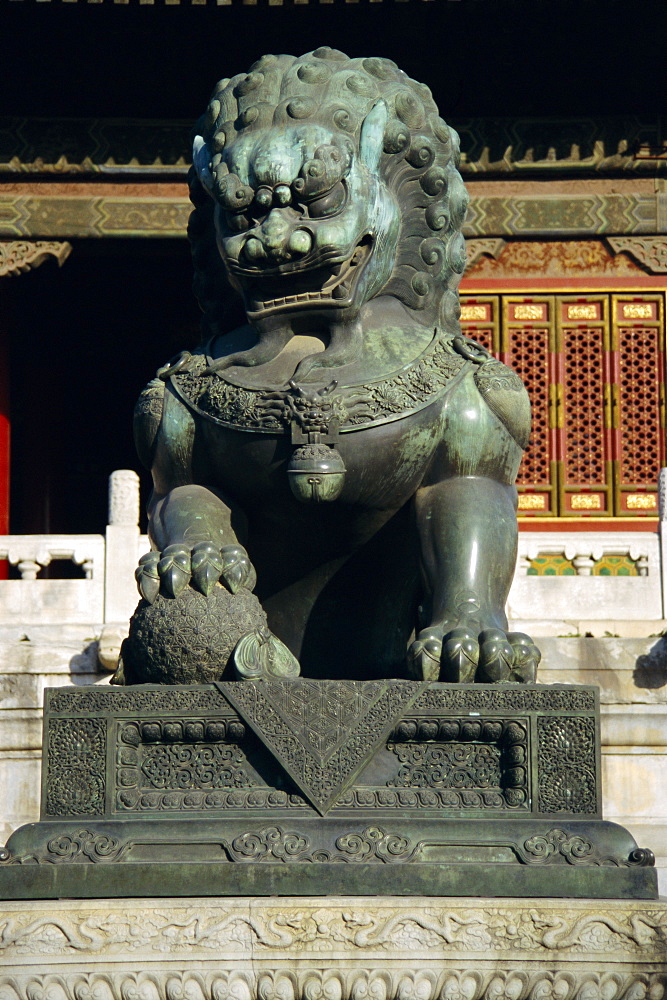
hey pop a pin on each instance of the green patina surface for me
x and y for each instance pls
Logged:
(311, 788)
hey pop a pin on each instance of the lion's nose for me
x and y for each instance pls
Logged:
(274, 234)
(276, 241)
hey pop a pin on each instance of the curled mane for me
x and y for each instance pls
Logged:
(419, 164)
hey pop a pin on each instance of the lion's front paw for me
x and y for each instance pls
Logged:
(464, 654)
(201, 566)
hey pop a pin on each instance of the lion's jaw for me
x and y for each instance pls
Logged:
(316, 231)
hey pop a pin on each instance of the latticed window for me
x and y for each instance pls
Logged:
(594, 368)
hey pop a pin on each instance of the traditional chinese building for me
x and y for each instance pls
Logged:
(566, 232)
(564, 139)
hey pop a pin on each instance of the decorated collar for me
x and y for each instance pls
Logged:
(327, 410)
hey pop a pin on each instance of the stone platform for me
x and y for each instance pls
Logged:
(361, 948)
(630, 672)
(318, 788)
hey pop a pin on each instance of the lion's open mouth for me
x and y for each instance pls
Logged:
(337, 290)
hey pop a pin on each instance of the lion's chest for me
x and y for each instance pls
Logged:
(385, 431)
(384, 464)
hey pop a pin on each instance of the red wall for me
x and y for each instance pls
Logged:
(4, 442)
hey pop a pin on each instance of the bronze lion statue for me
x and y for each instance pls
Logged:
(333, 471)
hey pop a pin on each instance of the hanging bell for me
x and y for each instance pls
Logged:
(316, 473)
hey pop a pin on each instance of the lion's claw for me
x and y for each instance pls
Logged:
(463, 655)
(496, 656)
(174, 568)
(207, 566)
(460, 656)
(147, 576)
(425, 655)
(526, 657)
(203, 566)
(237, 570)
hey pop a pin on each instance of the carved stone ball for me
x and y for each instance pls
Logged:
(188, 639)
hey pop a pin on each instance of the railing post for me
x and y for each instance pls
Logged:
(662, 529)
(122, 543)
(583, 564)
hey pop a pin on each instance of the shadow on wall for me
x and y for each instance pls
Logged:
(85, 667)
(651, 668)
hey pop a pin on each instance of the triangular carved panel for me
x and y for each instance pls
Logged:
(322, 732)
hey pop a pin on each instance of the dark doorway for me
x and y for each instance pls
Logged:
(84, 340)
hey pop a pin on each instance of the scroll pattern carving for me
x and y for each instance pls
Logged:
(473, 764)
(274, 844)
(447, 765)
(19, 256)
(167, 764)
(651, 251)
(557, 845)
(82, 845)
(198, 766)
(515, 699)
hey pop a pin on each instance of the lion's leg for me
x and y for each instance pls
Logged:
(194, 534)
(194, 543)
(468, 533)
(189, 514)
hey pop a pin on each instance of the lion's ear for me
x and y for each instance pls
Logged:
(372, 135)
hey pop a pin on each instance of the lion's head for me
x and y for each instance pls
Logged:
(320, 182)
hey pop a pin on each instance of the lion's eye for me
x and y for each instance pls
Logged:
(328, 204)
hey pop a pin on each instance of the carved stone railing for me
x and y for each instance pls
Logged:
(584, 595)
(32, 553)
(105, 592)
(585, 549)
(35, 601)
